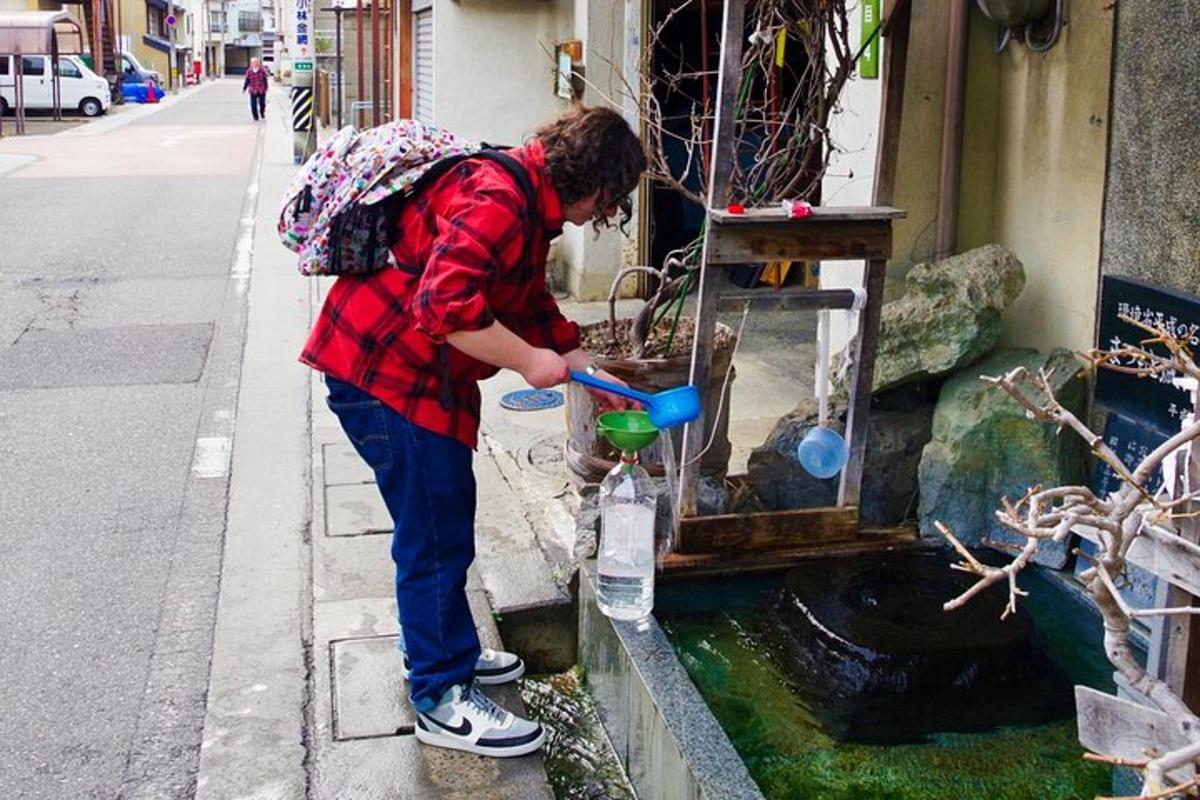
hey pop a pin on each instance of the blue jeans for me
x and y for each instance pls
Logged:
(428, 485)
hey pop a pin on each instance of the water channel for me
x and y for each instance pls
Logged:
(982, 711)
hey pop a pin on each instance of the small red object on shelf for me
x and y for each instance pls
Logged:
(797, 209)
(736, 208)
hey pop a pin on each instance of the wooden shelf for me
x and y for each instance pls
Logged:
(767, 530)
(744, 562)
(770, 236)
(819, 215)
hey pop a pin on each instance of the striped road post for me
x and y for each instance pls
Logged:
(302, 123)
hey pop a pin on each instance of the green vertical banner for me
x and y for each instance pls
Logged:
(868, 64)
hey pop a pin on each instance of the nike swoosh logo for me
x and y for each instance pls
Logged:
(461, 729)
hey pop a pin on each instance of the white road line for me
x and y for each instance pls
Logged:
(212, 457)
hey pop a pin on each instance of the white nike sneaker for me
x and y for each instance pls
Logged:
(467, 719)
(491, 668)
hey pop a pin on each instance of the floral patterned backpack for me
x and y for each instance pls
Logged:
(339, 210)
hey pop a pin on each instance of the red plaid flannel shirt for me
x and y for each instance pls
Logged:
(385, 332)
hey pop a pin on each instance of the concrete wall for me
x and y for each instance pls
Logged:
(494, 80)
(494, 66)
(1152, 212)
(1035, 152)
(591, 263)
(850, 179)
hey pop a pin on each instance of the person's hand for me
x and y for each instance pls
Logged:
(544, 368)
(607, 400)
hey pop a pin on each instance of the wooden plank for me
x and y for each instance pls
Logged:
(866, 344)
(896, 23)
(794, 297)
(1172, 558)
(820, 214)
(1182, 672)
(720, 174)
(727, 564)
(764, 530)
(787, 240)
(1119, 728)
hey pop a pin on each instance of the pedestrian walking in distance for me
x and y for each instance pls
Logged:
(403, 350)
(256, 84)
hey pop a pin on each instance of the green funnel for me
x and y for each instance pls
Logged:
(627, 430)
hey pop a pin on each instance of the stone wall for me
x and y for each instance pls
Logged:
(1152, 202)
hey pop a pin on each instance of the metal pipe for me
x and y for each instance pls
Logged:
(375, 62)
(952, 128)
(358, 64)
(55, 83)
(19, 92)
(389, 51)
(97, 44)
(337, 15)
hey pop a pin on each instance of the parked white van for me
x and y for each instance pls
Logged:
(81, 88)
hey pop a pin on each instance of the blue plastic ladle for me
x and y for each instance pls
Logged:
(666, 409)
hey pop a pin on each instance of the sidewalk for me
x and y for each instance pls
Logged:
(305, 697)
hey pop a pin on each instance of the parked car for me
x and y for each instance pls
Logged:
(132, 71)
(80, 87)
(139, 92)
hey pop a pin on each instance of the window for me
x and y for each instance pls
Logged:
(249, 21)
(33, 65)
(3, 65)
(155, 23)
(68, 69)
(214, 21)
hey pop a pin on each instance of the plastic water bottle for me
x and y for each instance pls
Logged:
(625, 563)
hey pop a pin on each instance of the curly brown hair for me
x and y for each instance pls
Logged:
(590, 149)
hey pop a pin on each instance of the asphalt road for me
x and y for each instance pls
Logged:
(122, 316)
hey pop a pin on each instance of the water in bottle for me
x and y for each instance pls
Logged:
(625, 562)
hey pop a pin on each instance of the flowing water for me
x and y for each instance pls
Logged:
(724, 638)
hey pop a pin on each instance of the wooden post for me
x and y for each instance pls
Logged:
(897, 16)
(720, 174)
(404, 84)
(866, 343)
(1183, 640)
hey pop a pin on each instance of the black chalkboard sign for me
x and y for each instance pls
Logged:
(1154, 401)
(1132, 442)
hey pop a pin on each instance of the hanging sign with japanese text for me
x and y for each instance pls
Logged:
(1153, 401)
(303, 37)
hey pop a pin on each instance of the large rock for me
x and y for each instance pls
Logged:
(985, 448)
(899, 428)
(948, 317)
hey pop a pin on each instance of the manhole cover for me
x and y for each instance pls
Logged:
(532, 399)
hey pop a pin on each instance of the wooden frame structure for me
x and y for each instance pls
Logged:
(769, 235)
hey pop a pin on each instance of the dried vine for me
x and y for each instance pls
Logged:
(795, 63)
(1118, 520)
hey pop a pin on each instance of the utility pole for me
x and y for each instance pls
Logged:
(171, 22)
(304, 131)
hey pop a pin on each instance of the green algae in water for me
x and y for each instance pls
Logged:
(716, 633)
(579, 761)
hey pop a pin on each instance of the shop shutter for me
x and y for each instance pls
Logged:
(423, 65)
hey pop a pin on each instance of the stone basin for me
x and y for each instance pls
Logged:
(867, 641)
